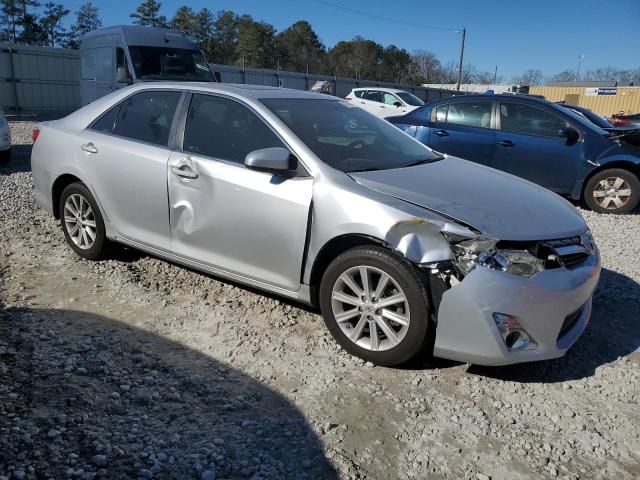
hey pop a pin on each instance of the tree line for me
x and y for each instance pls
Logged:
(232, 39)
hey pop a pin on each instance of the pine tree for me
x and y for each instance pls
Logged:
(147, 13)
(51, 23)
(87, 19)
(10, 18)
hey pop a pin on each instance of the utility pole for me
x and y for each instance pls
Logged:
(580, 58)
(464, 32)
(495, 75)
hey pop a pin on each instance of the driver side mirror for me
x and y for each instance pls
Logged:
(570, 133)
(122, 75)
(397, 104)
(276, 160)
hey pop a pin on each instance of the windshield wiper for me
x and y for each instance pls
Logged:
(423, 161)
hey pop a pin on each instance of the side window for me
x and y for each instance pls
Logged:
(359, 93)
(107, 121)
(389, 98)
(122, 69)
(373, 96)
(470, 114)
(221, 128)
(147, 117)
(441, 113)
(529, 120)
(97, 64)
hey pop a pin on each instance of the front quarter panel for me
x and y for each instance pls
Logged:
(347, 208)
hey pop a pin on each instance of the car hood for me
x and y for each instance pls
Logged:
(497, 204)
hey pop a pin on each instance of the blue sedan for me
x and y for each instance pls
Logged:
(536, 140)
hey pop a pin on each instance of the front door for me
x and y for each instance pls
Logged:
(465, 130)
(125, 154)
(244, 222)
(528, 145)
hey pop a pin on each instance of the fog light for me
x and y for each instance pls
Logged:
(515, 337)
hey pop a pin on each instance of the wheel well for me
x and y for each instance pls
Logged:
(622, 164)
(331, 250)
(58, 187)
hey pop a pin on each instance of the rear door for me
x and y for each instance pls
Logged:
(528, 145)
(464, 129)
(125, 154)
(245, 222)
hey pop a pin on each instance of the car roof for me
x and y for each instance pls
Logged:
(471, 97)
(381, 89)
(254, 91)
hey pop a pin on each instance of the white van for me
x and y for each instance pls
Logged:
(114, 57)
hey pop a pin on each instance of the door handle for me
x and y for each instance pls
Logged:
(441, 133)
(506, 143)
(89, 148)
(184, 169)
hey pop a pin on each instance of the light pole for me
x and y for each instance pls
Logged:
(580, 58)
(495, 75)
(464, 33)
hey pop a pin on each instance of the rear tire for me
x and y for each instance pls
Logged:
(612, 191)
(81, 222)
(385, 320)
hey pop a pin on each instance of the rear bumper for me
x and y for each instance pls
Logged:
(467, 331)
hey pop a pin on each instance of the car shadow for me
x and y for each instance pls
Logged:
(81, 392)
(613, 332)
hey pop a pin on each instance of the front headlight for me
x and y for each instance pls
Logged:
(469, 254)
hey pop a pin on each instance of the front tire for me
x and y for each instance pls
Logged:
(82, 222)
(374, 303)
(612, 191)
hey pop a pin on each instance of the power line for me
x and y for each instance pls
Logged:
(380, 17)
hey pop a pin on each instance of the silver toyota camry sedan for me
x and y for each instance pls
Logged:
(405, 252)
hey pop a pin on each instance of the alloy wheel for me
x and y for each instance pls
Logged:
(80, 221)
(370, 308)
(612, 193)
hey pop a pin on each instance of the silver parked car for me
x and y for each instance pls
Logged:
(405, 252)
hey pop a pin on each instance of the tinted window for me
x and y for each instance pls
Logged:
(359, 93)
(107, 121)
(529, 120)
(346, 137)
(373, 95)
(470, 114)
(147, 117)
(157, 63)
(222, 128)
(97, 64)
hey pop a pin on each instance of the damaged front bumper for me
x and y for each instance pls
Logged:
(552, 306)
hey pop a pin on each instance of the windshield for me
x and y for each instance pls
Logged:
(346, 137)
(410, 99)
(160, 63)
(579, 118)
(589, 115)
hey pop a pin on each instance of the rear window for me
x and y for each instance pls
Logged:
(358, 93)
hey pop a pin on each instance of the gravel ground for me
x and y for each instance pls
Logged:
(136, 368)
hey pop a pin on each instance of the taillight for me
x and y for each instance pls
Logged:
(348, 99)
(617, 121)
(35, 134)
